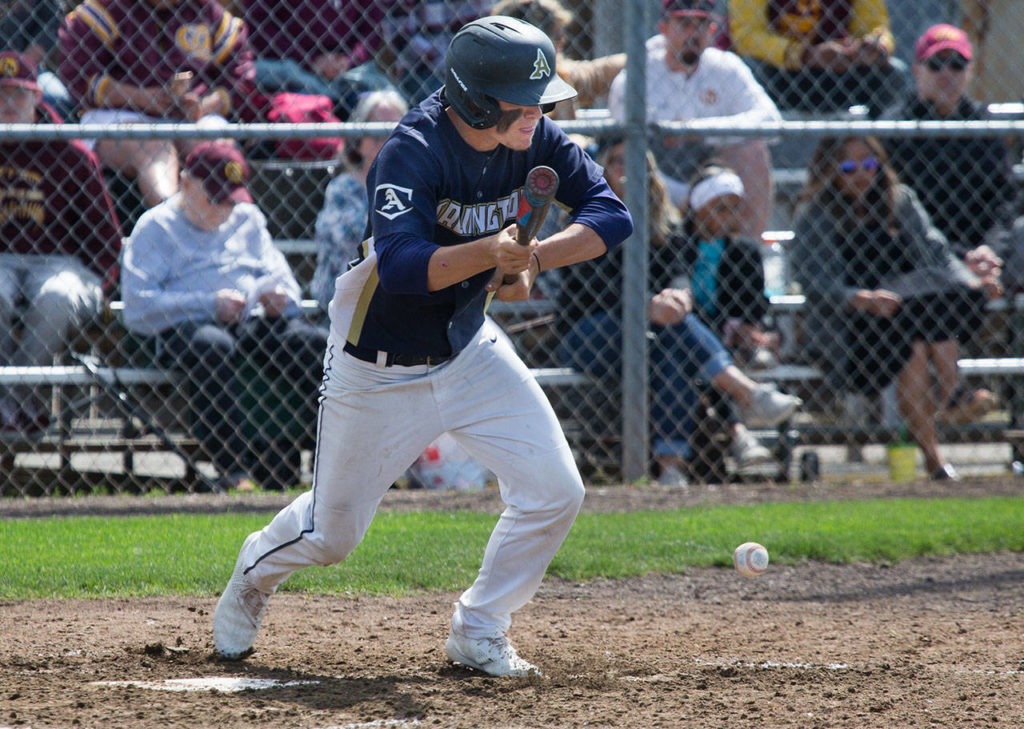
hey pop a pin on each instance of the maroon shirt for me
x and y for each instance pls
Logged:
(303, 30)
(54, 201)
(132, 42)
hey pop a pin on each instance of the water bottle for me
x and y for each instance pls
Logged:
(773, 258)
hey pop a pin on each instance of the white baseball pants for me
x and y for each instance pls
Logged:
(375, 421)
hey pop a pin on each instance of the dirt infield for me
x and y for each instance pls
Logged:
(927, 643)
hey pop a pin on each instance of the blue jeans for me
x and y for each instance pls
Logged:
(682, 356)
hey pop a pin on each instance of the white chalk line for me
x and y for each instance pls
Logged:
(772, 664)
(843, 667)
(217, 683)
(377, 723)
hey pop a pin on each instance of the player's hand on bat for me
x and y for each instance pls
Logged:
(229, 305)
(670, 306)
(514, 287)
(517, 290)
(509, 256)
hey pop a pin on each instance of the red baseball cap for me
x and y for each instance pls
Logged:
(16, 70)
(699, 8)
(222, 169)
(941, 38)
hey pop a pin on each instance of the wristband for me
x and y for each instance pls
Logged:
(535, 257)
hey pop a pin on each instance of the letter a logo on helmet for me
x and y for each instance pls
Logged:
(488, 61)
(541, 67)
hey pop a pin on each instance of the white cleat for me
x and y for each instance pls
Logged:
(494, 656)
(239, 612)
(768, 407)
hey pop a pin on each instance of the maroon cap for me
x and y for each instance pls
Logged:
(700, 8)
(941, 38)
(16, 70)
(222, 169)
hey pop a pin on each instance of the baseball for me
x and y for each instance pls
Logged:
(750, 559)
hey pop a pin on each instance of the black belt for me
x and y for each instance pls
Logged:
(393, 359)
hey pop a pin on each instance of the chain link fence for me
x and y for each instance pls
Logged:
(826, 264)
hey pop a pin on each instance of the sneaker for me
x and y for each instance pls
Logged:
(239, 612)
(672, 477)
(748, 451)
(494, 655)
(945, 472)
(768, 407)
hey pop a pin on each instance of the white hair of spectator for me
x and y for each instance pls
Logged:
(724, 183)
(372, 100)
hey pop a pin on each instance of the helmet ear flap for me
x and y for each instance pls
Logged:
(485, 111)
(478, 110)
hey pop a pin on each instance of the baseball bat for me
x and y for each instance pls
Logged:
(538, 192)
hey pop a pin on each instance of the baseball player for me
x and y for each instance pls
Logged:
(410, 356)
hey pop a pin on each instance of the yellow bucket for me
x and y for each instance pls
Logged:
(902, 458)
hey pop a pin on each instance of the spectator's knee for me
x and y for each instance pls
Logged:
(57, 304)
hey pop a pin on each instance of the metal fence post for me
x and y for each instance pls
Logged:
(635, 409)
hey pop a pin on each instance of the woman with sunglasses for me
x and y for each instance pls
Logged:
(886, 298)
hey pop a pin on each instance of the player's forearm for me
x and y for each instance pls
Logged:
(451, 264)
(574, 244)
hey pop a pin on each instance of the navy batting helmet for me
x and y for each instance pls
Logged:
(501, 59)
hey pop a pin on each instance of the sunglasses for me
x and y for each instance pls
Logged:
(849, 166)
(956, 63)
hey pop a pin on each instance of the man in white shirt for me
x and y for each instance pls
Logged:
(689, 79)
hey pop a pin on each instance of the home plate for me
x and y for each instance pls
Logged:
(223, 683)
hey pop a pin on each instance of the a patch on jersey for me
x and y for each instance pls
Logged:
(541, 67)
(709, 97)
(196, 40)
(392, 200)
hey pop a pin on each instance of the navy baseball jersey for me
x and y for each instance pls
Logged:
(429, 188)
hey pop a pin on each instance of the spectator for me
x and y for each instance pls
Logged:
(202, 278)
(995, 28)
(129, 61)
(823, 55)
(684, 349)
(725, 269)
(59, 242)
(341, 224)
(30, 26)
(687, 79)
(964, 183)
(417, 34)
(317, 47)
(886, 298)
(591, 78)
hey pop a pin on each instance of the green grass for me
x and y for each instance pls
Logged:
(410, 552)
